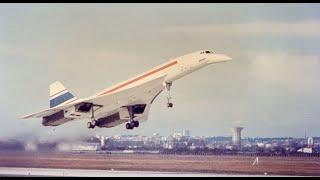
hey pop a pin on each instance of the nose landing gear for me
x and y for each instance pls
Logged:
(169, 103)
(92, 124)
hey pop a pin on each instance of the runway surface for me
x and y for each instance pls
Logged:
(157, 165)
(11, 171)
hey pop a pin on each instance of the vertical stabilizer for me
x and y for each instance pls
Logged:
(59, 94)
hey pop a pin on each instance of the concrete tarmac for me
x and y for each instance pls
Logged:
(155, 163)
(13, 171)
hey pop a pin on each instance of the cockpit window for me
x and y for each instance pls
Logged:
(206, 52)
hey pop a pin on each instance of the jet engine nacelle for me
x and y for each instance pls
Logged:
(55, 119)
(81, 110)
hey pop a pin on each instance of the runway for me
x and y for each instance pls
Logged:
(13, 171)
(90, 164)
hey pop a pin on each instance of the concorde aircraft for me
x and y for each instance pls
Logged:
(127, 102)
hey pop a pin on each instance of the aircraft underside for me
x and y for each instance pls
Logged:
(132, 114)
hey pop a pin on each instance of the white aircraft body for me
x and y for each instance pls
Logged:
(129, 101)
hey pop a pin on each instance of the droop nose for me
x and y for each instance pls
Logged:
(216, 58)
(223, 57)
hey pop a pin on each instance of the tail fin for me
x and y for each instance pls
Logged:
(59, 94)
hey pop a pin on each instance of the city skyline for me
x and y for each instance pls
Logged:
(178, 142)
(270, 88)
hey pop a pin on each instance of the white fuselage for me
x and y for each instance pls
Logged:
(172, 70)
(111, 106)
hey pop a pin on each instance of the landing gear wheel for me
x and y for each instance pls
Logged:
(94, 122)
(128, 126)
(136, 123)
(90, 125)
(170, 105)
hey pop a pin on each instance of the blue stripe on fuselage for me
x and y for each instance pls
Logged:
(60, 99)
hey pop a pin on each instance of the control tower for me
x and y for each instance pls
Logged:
(236, 136)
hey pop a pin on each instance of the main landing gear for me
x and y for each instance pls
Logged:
(132, 123)
(93, 122)
(169, 103)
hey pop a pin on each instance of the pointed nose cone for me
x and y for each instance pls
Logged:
(217, 58)
(223, 57)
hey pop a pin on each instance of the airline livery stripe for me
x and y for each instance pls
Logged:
(60, 99)
(140, 77)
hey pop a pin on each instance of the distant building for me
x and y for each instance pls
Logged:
(268, 146)
(228, 147)
(30, 146)
(102, 140)
(306, 150)
(85, 147)
(192, 146)
(177, 135)
(186, 133)
(236, 136)
(260, 145)
(310, 142)
(80, 146)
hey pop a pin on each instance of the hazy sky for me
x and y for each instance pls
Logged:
(272, 86)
